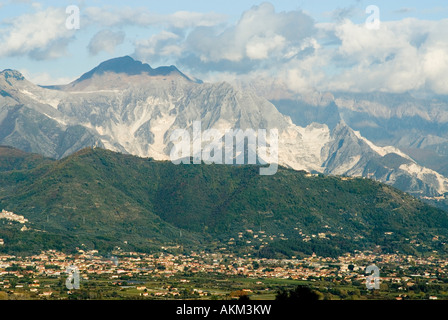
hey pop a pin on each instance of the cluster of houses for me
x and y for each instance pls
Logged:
(12, 216)
(348, 268)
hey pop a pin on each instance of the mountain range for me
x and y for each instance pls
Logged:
(126, 106)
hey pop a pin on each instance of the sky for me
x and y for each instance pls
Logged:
(326, 45)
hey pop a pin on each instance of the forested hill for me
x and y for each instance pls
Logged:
(101, 199)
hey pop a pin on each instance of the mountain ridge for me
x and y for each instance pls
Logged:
(137, 114)
(412, 122)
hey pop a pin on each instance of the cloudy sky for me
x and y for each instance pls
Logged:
(322, 44)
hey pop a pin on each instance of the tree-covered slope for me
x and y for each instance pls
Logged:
(104, 199)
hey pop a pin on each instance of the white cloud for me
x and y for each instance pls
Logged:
(259, 48)
(403, 55)
(408, 54)
(127, 16)
(187, 19)
(261, 33)
(44, 78)
(40, 35)
(260, 38)
(105, 40)
(159, 46)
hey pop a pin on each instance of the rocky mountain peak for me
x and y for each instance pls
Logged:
(125, 65)
(11, 74)
(128, 66)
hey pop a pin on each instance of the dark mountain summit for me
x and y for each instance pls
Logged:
(126, 66)
(131, 67)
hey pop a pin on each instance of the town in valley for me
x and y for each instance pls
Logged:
(217, 276)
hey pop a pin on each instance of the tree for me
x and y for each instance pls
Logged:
(300, 293)
(244, 298)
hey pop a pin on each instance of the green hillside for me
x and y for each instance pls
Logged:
(101, 199)
(14, 159)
